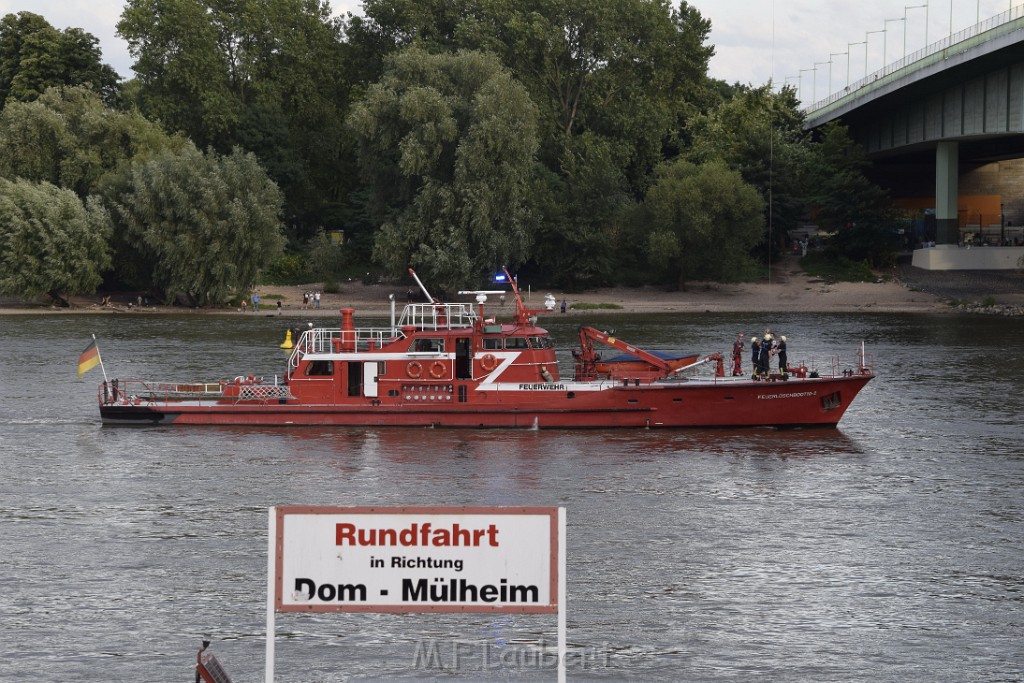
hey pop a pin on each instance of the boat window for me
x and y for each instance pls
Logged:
(429, 344)
(320, 368)
(541, 342)
(492, 344)
(516, 343)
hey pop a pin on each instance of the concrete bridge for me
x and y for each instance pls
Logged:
(945, 129)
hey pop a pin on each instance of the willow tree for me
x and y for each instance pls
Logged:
(447, 143)
(70, 138)
(199, 226)
(51, 242)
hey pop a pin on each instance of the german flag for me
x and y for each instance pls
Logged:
(89, 359)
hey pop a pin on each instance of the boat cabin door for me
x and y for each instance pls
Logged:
(362, 379)
(463, 358)
(370, 380)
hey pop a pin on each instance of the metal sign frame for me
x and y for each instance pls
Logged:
(555, 560)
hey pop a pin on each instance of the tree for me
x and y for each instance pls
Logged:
(759, 133)
(577, 243)
(447, 143)
(69, 138)
(50, 241)
(621, 69)
(614, 82)
(846, 203)
(704, 220)
(327, 258)
(266, 75)
(35, 56)
(199, 225)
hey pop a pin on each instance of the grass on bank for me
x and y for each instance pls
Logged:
(582, 306)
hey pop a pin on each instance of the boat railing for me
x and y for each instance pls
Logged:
(438, 316)
(133, 390)
(325, 340)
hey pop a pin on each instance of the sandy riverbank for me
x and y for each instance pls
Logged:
(790, 289)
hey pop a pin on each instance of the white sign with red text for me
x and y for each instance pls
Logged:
(416, 559)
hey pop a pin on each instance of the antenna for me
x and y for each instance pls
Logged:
(771, 172)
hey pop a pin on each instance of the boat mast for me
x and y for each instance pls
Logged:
(424, 289)
(522, 312)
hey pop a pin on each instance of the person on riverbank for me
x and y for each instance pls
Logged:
(255, 302)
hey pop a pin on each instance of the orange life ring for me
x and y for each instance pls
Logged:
(437, 370)
(414, 369)
(488, 362)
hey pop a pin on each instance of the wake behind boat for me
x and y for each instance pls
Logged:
(449, 365)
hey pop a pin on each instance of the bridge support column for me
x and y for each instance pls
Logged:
(947, 189)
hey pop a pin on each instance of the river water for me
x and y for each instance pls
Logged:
(891, 548)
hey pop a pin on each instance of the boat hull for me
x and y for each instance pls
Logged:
(726, 402)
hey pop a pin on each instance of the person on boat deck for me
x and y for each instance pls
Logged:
(755, 354)
(737, 355)
(764, 354)
(781, 351)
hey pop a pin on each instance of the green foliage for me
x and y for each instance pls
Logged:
(576, 245)
(267, 76)
(50, 241)
(35, 56)
(614, 82)
(447, 144)
(759, 133)
(290, 269)
(69, 138)
(703, 222)
(847, 203)
(200, 225)
(327, 260)
(831, 266)
(486, 133)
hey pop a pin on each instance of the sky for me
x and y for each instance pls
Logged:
(805, 44)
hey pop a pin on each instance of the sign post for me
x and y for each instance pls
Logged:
(416, 559)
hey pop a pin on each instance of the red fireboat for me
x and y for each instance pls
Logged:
(450, 365)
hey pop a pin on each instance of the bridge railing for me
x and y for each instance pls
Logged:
(949, 43)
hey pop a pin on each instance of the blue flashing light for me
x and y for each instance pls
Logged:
(500, 277)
